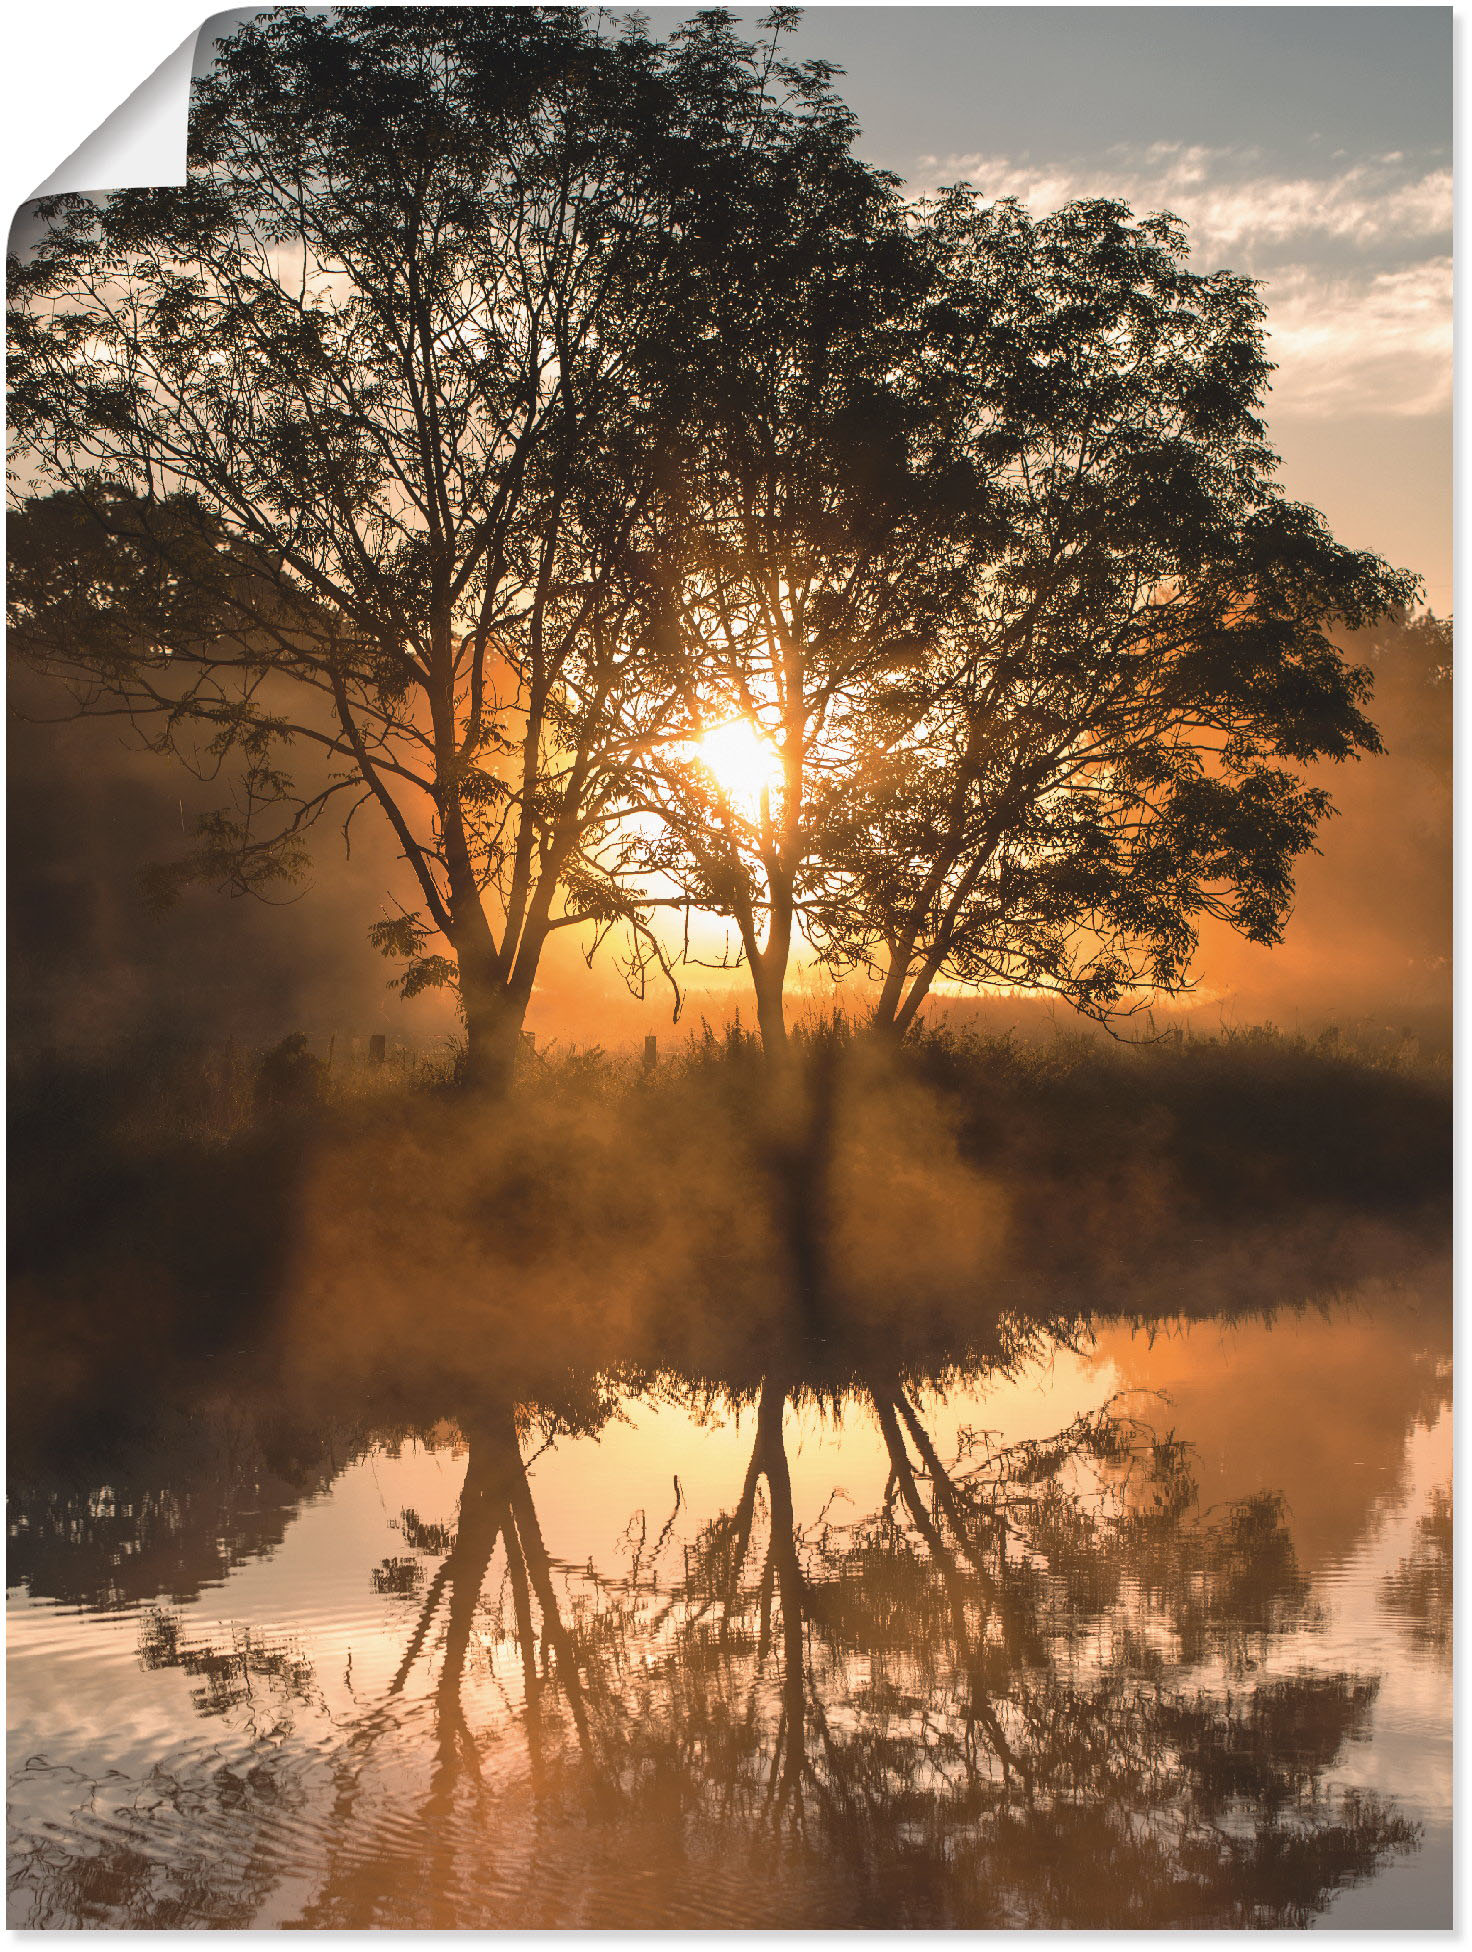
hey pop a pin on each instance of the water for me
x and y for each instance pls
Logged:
(1123, 1623)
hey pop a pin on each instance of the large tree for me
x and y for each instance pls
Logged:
(1106, 737)
(1001, 653)
(332, 452)
(565, 448)
(807, 537)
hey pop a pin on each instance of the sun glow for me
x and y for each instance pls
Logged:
(742, 761)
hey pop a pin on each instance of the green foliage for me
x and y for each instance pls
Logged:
(227, 857)
(405, 937)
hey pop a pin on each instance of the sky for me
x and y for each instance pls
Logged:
(1308, 147)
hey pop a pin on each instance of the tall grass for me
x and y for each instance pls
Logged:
(645, 1216)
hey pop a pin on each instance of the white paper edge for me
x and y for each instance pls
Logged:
(143, 144)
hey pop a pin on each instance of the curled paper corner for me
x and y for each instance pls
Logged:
(144, 143)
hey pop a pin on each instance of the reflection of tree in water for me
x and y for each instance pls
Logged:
(1420, 1588)
(986, 1700)
(175, 1852)
(1018, 1693)
(1025, 1690)
(200, 1493)
(189, 1493)
(259, 1673)
(192, 1845)
(414, 1876)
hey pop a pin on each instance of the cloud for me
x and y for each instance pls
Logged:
(1354, 264)
(1231, 203)
(1381, 344)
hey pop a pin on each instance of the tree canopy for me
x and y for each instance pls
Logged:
(504, 406)
(1103, 743)
(352, 430)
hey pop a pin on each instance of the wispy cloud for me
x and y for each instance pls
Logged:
(1354, 261)
(1229, 204)
(1376, 345)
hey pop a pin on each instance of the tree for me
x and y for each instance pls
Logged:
(504, 422)
(999, 645)
(1034, 1682)
(803, 541)
(332, 452)
(1103, 743)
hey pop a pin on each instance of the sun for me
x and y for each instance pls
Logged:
(742, 761)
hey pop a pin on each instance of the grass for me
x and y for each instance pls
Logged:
(1243, 1124)
(161, 1211)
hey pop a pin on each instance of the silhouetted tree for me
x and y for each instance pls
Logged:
(501, 411)
(802, 540)
(331, 453)
(1104, 740)
(990, 566)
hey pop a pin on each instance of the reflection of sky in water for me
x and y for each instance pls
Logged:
(1343, 1415)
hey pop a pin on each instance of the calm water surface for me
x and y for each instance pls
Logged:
(1150, 1626)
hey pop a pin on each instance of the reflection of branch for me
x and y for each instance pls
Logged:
(539, 1570)
(945, 1490)
(495, 1507)
(904, 1474)
(421, 1627)
(789, 1762)
(531, 1683)
(496, 1503)
(740, 1530)
(482, 1508)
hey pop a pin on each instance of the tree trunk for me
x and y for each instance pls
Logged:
(884, 1030)
(493, 1022)
(770, 1015)
(769, 979)
(790, 1761)
(895, 1012)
